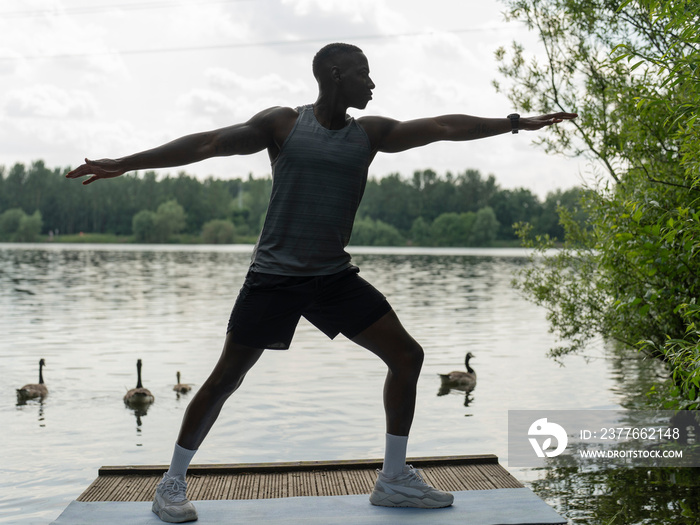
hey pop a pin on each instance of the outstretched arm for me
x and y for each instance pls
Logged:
(260, 132)
(392, 136)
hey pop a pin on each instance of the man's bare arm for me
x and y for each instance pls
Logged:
(260, 132)
(392, 136)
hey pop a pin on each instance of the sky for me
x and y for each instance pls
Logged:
(106, 78)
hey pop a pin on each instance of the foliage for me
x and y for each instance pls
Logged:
(399, 201)
(453, 228)
(29, 227)
(17, 226)
(630, 69)
(413, 206)
(219, 231)
(368, 232)
(9, 222)
(143, 226)
(456, 229)
(169, 219)
(405, 204)
(420, 233)
(484, 228)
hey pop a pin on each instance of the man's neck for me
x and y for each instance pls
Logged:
(329, 113)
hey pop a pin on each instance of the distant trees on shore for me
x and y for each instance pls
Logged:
(17, 226)
(424, 210)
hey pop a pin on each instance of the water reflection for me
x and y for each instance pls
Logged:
(25, 404)
(629, 496)
(688, 423)
(445, 390)
(138, 412)
(598, 493)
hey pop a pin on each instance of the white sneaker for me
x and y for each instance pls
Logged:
(408, 489)
(170, 502)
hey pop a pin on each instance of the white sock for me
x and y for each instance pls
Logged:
(181, 461)
(394, 455)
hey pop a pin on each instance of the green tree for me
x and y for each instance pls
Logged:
(170, 219)
(420, 234)
(29, 227)
(473, 192)
(368, 232)
(255, 198)
(17, 226)
(629, 68)
(556, 202)
(453, 229)
(514, 206)
(219, 231)
(485, 228)
(13, 187)
(216, 199)
(143, 226)
(9, 223)
(392, 201)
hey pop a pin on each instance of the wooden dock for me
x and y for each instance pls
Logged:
(291, 492)
(250, 481)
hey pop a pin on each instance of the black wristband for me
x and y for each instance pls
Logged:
(514, 122)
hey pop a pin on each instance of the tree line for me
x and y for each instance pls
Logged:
(426, 209)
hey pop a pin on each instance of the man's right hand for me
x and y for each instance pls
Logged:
(98, 169)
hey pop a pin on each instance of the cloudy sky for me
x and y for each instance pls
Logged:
(105, 78)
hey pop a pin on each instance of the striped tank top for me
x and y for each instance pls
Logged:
(318, 179)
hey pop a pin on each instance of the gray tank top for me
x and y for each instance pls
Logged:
(318, 179)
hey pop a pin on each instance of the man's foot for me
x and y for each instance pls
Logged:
(408, 490)
(170, 502)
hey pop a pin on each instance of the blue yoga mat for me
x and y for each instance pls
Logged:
(473, 507)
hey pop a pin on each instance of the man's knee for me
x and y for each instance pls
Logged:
(220, 384)
(234, 363)
(412, 358)
(417, 354)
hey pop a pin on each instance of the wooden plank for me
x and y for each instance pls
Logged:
(280, 480)
(349, 464)
(499, 476)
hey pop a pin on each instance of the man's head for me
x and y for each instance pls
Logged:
(343, 69)
(330, 55)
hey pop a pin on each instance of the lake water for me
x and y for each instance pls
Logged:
(91, 311)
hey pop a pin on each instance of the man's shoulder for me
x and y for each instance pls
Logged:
(277, 113)
(375, 126)
(374, 121)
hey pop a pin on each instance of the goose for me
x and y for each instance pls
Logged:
(34, 390)
(139, 396)
(181, 388)
(460, 380)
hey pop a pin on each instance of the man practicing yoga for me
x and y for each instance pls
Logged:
(320, 158)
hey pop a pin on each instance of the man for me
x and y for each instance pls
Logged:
(320, 158)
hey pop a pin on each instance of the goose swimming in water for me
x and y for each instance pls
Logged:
(139, 396)
(460, 380)
(34, 390)
(181, 388)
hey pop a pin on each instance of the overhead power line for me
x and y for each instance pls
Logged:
(240, 45)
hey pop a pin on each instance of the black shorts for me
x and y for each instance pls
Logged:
(269, 307)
